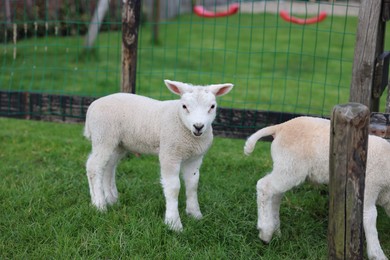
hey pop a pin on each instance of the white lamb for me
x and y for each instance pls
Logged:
(178, 131)
(300, 151)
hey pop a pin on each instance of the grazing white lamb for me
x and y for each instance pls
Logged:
(178, 131)
(300, 151)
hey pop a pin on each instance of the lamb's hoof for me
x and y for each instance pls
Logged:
(174, 225)
(100, 206)
(248, 149)
(377, 255)
(111, 200)
(264, 242)
(265, 238)
(196, 214)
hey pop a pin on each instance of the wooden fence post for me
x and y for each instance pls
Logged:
(347, 166)
(131, 12)
(369, 45)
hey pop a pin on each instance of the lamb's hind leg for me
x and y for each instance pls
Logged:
(109, 184)
(270, 190)
(374, 250)
(384, 200)
(96, 167)
(276, 201)
(191, 180)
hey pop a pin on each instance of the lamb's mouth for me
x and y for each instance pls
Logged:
(197, 133)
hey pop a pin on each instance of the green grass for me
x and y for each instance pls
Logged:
(45, 207)
(45, 210)
(274, 65)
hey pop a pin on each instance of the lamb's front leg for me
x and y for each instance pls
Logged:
(170, 180)
(191, 180)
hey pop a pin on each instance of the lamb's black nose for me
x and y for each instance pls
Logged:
(198, 127)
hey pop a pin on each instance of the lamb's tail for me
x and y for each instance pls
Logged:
(251, 141)
(87, 133)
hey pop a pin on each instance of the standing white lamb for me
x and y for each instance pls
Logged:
(300, 151)
(178, 131)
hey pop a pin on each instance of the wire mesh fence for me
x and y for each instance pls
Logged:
(278, 66)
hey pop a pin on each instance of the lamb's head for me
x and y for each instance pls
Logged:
(198, 104)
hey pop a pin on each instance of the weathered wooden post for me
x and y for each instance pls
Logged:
(369, 75)
(131, 11)
(347, 166)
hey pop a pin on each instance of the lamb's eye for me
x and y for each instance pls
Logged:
(211, 108)
(184, 107)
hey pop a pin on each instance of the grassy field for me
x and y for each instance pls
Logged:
(45, 210)
(275, 65)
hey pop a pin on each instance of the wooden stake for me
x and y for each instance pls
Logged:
(130, 22)
(347, 167)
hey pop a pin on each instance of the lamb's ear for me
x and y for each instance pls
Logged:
(220, 89)
(178, 88)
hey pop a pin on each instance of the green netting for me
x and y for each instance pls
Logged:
(275, 65)
(43, 49)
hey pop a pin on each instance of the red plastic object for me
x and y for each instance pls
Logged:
(296, 20)
(200, 11)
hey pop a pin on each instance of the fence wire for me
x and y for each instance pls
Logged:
(276, 65)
